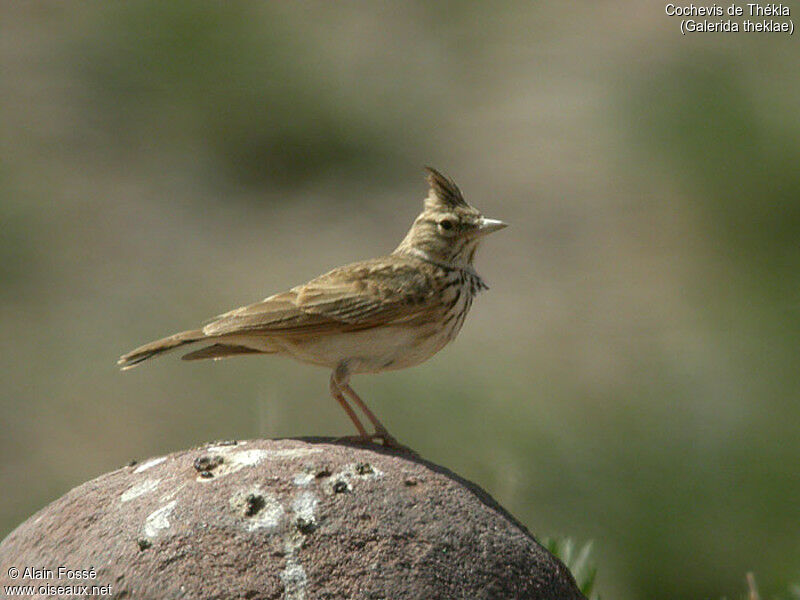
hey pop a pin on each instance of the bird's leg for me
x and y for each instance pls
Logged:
(380, 430)
(336, 392)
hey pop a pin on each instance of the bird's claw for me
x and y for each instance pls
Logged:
(388, 441)
(382, 438)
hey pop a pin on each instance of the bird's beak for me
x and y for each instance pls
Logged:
(487, 226)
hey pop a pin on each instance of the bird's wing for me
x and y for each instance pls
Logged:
(357, 296)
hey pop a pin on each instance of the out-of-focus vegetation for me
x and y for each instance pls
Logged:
(632, 377)
(578, 561)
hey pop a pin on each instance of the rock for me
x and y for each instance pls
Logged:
(293, 519)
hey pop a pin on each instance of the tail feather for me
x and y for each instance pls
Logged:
(217, 351)
(133, 358)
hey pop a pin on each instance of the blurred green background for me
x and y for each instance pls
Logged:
(632, 377)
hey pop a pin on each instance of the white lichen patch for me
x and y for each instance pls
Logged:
(292, 452)
(226, 447)
(294, 577)
(257, 509)
(149, 464)
(139, 489)
(234, 460)
(294, 580)
(172, 493)
(303, 479)
(249, 458)
(305, 505)
(158, 520)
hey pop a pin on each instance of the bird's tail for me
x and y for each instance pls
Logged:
(142, 353)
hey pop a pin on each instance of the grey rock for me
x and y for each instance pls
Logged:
(295, 519)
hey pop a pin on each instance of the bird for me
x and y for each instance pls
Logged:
(381, 314)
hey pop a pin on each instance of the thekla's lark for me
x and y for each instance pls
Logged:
(377, 315)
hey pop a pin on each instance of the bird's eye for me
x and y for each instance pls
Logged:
(446, 225)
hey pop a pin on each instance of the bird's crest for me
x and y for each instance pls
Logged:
(443, 191)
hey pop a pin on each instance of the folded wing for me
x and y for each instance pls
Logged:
(354, 297)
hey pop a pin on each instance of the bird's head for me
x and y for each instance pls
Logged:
(448, 230)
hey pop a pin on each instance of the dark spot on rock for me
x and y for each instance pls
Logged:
(305, 526)
(340, 487)
(207, 463)
(224, 443)
(411, 481)
(388, 363)
(364, 468)
(253, 504)
(323, 472)
(133, 463)
(143, 544)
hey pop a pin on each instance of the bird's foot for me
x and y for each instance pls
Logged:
(388, 441)
(382, 438)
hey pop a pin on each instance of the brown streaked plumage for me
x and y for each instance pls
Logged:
(381, 314)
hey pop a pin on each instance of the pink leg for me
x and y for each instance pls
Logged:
(380, 430)
(337, 394)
